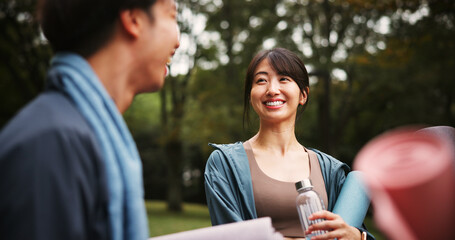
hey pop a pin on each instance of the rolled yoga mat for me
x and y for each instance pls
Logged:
(411, 180)
(353, 202)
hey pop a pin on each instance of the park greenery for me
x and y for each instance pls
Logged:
(162, 222)
(374, 66)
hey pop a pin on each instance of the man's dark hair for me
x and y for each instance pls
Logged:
(82, 26)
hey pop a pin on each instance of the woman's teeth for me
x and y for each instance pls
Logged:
(274, 103)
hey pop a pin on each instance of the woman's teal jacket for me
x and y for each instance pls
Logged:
(229, 189)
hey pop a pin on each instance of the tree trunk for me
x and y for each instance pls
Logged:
(324, 110)
(174, 153)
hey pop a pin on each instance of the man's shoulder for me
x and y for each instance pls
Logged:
(51, 171)
(49, 135)
(51, 114)
(49, 110)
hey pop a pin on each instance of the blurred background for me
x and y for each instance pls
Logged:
(374, 66)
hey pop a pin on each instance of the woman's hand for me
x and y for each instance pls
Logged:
(335, 225)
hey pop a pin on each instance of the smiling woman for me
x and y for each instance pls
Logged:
(256, 178)
(268, 67)
(273, 84)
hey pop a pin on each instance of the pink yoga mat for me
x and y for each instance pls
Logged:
(411, 179)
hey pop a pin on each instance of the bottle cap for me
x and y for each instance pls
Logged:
(305, 183)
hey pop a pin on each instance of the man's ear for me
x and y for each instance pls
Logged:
(132, 21)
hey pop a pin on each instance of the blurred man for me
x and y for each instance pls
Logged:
(69, 168)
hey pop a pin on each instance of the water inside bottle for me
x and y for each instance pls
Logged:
(310, 206)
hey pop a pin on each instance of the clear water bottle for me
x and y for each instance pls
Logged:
(308, 202)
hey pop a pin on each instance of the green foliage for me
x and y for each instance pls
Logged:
(408, 83)
(24, 57)
(211, 116)
(143, 114)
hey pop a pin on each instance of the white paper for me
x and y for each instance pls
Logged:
(257, 229)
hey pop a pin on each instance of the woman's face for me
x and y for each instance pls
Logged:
(274, 97)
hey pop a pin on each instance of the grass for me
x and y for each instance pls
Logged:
(162, 221)
(194, 216)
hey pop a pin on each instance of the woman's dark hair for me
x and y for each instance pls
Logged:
(82, 26)
(285, 63)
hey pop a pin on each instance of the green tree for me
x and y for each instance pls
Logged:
(406, 83)
(327, 33)
(24, 56)
(173, 110)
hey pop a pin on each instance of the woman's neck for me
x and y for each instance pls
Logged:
(278, 139)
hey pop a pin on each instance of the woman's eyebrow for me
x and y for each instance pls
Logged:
(265, 73)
